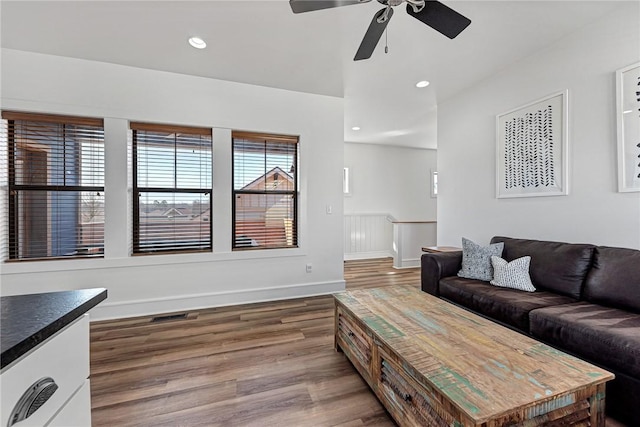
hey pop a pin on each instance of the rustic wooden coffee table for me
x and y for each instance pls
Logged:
(434, 364)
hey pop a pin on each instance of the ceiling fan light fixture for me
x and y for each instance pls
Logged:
(197, 42)
(436, 15)
(422, 83)
(355, 128)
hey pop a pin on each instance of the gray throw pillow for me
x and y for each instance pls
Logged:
(476, 260)
(514, 274)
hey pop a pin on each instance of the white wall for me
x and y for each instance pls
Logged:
(593, 212)
(391, 180)
(390, 183)
(160, 283)
(408, 240)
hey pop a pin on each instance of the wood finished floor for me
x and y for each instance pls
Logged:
(266, 364)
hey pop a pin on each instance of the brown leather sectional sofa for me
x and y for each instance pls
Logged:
(587, 303)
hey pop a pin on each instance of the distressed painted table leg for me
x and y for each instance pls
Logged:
(597, 407)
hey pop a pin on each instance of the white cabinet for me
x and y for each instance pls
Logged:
(77, 411)
(63, 360)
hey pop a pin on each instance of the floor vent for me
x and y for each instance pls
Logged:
(181, 316)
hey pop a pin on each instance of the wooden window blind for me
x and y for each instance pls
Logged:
(172, 170)
(265, 191)
(56, 186)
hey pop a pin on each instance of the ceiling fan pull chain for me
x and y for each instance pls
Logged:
(386, 40)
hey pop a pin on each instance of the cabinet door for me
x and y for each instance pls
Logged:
(77, 412)
(64, 358)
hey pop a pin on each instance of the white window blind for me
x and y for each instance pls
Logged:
(171, 188)
(265, 191)
(56, 186)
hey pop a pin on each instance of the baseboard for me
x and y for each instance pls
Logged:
(146, 307)
(367, 255)
(408, 263)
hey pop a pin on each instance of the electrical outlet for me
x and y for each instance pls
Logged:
(329, 209)
(309, 268)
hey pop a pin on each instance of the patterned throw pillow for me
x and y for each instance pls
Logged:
(514, 274)
(476, 260)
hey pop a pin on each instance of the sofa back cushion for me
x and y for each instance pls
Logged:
(555, 266)
(614, 279)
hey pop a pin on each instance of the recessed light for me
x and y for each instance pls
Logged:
(197, 42)
(422, 83)
(355, 128)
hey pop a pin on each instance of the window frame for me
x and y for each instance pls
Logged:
(13, 217)
(266, 137)
(138, 191)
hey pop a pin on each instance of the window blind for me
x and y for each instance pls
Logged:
(265, 191)
(56, 186)
(4, 191)
(171, 188)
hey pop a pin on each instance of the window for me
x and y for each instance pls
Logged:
(434, 184)
(265, 191)
(56, 186)
(346, 184)
(172, 169)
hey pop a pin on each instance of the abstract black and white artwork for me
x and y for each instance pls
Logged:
(532, 149)
(628, 114)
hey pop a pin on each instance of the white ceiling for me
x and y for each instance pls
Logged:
(264, 43)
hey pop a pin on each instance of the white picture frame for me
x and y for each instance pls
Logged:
(628, 125)
(532, 144)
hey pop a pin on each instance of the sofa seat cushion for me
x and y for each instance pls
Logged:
(505, 305)
(602, 335)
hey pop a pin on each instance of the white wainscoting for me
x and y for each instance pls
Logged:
(379, 235)
(368, 236)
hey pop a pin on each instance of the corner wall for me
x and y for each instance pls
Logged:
(594, 212)
(163, 283)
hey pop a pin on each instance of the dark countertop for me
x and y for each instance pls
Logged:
(28, 320)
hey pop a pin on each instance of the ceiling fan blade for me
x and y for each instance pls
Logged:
(300, 6)
(373, 34)
(441, 18)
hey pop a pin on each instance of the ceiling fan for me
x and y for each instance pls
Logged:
(433, 13)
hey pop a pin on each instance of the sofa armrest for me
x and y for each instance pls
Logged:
(435, 266)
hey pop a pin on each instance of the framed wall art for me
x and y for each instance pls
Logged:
(628, 116)
(532, 149)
